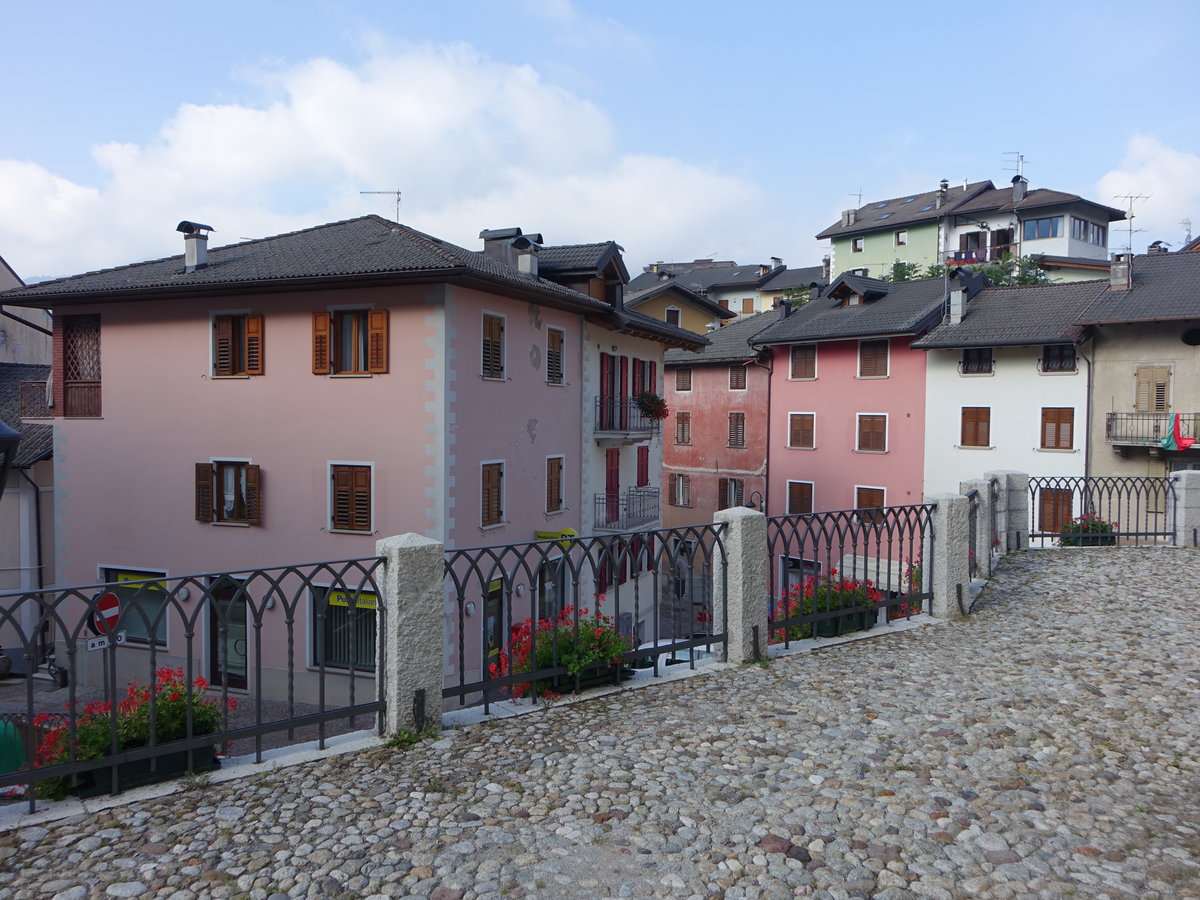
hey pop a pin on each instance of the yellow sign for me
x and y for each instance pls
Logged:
(366, 600)
(139, 581)
(563, 537)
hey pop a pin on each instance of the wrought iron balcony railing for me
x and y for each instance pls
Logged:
(1148, 429)
(623, 414)
(638, 507)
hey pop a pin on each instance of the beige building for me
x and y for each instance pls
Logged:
(1146, 366)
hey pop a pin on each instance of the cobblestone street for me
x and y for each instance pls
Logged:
(1047, 747)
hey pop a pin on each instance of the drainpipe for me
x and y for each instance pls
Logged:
(37, 525)
(1087, 416)
(766, 462)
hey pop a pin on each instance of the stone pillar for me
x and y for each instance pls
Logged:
(412, 597)
(740, 583)
(948, 556)
(983, 525)
(1186, 510)
(1014, 509)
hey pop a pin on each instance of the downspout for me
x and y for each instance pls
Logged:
(766, 461)
(37, 524)
(1087, 446)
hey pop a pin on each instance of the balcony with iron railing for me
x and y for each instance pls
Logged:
(623, 415)
(637, 508)
(980, 255)
(1146, 429)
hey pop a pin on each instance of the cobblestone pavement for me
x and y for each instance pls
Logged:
(1047, 747)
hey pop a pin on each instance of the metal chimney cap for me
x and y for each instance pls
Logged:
(187, 227)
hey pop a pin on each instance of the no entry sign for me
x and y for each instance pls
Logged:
(105, 613)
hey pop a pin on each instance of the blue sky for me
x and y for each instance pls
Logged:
(678, 129)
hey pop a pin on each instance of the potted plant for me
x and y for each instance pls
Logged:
(1089, 530)
(827, 593)
(651, 405)
(173, 697)
(589, 647)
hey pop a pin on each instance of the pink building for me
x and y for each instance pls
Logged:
(298, 397)
(847, 401)
(715, 450)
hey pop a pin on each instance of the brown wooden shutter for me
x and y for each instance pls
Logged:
(976, 426)
(492, 512)
(800, 431)
(1058, 427)
(722, 493)
(377, 341)
(683, 379)
(804, 361)
(683, 428)
(873, 362)
(253, 495)
(255, 349)
(493, 347)
(553, 484)
(322, 328)
(685, 490)
(204, 492)
(737, 378)
(799, 498)
(737, 429)
(554, 356)
(362, 498)
(1054, 509)
(223, 345)
(672, 497)
(872, 433)
(343, 498)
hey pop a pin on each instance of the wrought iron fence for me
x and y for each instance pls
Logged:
(1147, 428)
(624, 414)
(1104, 511)
(994, 518)
(972, 532)
(155, 672)
(554, 616)
(833, 572)
(637, 507)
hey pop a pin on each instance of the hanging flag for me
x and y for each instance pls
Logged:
(1175, 440)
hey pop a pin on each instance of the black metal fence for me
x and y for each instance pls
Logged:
(972, 532)
(1106, 511)
(834, 572)
(128, 681)
(553, 616)
(994, 518)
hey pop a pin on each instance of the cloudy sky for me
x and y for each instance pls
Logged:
(678, 129)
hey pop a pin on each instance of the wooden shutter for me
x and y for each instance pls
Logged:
(223, 345)
(722, 493)
(204, 492)
(672, 496)
(1058, 427)
(737, 378)
(1054, 509)
(799, 498)
(683, 379)
(685, 490)
(643, 465)
(872, 433)
(377, 341)
(622, 388)
(738, 496)
(493, 347)
(873, 359)
(253, 495)
(653, 386)
(343, 498)
(976, 426)
(800, 431)
(1152, 394)
(737, 429)
(804, 361)
(554, 356)
(322, 329)
(683, 428)
(255, 349)
(493, 514)
(637, 387)
(554, 484)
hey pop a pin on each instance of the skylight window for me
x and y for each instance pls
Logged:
(884, 216)
(926, 208)
(881, 205)
(910, 199)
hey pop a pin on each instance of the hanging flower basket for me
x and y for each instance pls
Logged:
(651, 406)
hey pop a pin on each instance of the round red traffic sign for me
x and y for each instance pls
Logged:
(106, 612)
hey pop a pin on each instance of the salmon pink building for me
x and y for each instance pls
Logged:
(847, 401)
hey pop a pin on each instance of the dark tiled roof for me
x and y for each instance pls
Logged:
(656, 329)
(1000, 200)
(1165, 286)
(782, 279)
(699, 301)
(576, 257)
(366, 246)
(905, 210)
(1013, 316)
(702, 280)
(37, 441)
(727, 344)
(909, 307)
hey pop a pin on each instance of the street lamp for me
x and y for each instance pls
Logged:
(9, 440)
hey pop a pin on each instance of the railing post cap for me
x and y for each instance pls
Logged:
(408, 541)
(735, 513)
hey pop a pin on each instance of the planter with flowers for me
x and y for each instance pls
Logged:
(1089, 530)
(816, 594)
(651, 406)
(173, 699)
(589, 647)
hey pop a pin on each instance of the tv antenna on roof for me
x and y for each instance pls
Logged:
(1130, 199)
(1187, 230)
(395, 194)
(1020, 162)
(858, 195)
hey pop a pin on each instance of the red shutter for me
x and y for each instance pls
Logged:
(653, 386)
(377, 341)
(322, 326)
(255, 350)
(606, 402)
(643, 465)
(722, 493)
(637, 378)
(622, 389)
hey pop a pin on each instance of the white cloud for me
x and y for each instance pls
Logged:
(1168, 178)
(472, 144)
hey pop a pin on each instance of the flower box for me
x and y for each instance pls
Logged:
(855, 620)
(140, 772)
